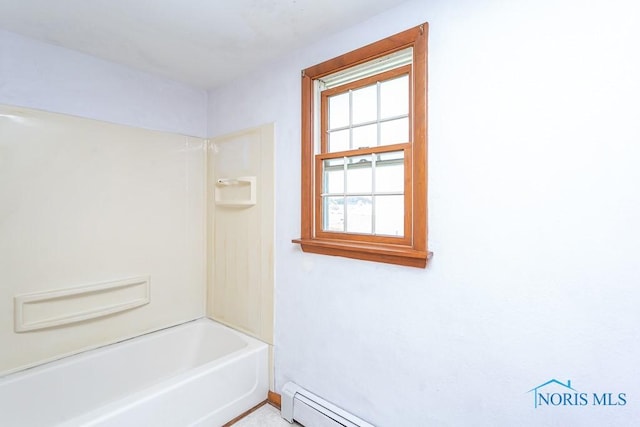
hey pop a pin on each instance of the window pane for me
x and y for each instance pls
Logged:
(339, 111)
(340, 160)
(359, 174)
(365, 136)
(333, 209)
(359, 213)
(339, 141)
(365, 105)
(394, 132)
(394, 97)
(333, 176)
(390, 215)
(390, 172)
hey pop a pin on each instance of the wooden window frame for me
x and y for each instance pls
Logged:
(411, 250)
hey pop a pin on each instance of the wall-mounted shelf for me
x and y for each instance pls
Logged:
(63, 307)
(237, 192)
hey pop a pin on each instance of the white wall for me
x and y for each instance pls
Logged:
(84, 202)
(52, 78)
(533, 220)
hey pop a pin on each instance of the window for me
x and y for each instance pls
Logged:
(364, 152)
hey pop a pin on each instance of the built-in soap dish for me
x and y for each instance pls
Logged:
(237, 192)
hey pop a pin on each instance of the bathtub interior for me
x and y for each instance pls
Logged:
(58, 391)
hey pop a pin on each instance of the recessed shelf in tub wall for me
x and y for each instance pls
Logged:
(235, 192)
(62, 307)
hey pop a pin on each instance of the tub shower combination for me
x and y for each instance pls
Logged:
(219, 192)
(200, 373)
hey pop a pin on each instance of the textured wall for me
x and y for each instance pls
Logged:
(533, 221)
(39, 75)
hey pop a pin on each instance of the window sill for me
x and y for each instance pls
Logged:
(390, 254)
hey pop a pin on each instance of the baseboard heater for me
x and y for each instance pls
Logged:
(313, 411)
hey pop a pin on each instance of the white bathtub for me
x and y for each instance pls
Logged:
(200, 373)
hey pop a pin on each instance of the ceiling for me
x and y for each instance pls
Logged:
(200, 42)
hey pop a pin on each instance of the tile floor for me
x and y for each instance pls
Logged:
(265, 416)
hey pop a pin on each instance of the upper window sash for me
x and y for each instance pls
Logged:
(388, 115)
